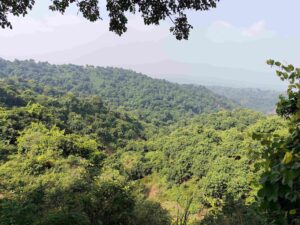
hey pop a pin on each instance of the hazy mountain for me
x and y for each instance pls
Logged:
(204, 74)
(256, 99)
(160, 57)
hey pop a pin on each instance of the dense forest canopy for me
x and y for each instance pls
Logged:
(153, 100)
(53, 148)
(92, 146)
(152, 12)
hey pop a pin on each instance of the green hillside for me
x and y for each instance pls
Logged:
(151, 99)
(53, 148)
(210, 163)
(74, 150)
(68, 159)
(25, 102)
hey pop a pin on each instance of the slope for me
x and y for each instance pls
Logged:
(24, 102)
(152, 100)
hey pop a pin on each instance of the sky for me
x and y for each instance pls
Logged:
(228, 45)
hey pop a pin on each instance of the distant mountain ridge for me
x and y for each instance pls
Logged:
(209, 75)
(151, 99)
(253, 98)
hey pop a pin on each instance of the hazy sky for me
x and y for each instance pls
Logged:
(239, 34)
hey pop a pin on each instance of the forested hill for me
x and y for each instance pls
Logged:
(151, 99)
(256, 99)
(69, 157)
(25, 102)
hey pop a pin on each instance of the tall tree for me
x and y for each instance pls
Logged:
(152, 12)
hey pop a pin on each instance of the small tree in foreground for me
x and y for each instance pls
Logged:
(280, 191)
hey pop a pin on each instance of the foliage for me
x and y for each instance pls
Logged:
(210, 157)
(151, 12)
(53, 146)
(281, 179)
(46, 183)
(234, 213)
(81, 115)
(39, 183)
(19, 8)
(150, 213)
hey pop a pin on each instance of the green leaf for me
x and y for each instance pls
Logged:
(293, 212)
(274, 177)
(289, 176)
(291, 196)
(288, 157)
(291, 68)
(271, 62)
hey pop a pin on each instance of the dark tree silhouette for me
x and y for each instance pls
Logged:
(152, 12)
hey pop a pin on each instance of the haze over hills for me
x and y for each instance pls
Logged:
(256, 99)
(158, 56)
(204, 74)
(150, 57)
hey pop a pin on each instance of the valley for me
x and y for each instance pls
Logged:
(80, 144)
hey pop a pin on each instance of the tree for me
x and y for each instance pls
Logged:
(280, 192)
(151, 213)
(152, 12)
